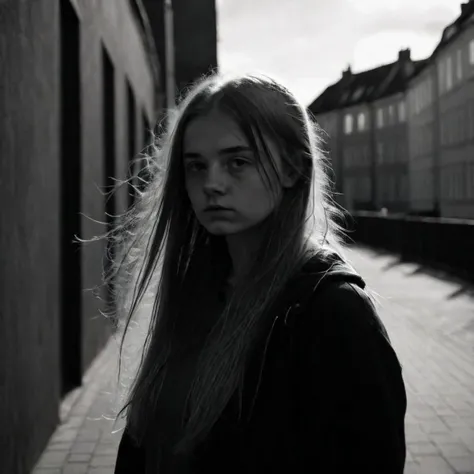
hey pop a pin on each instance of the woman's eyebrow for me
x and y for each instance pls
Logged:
(222, 151)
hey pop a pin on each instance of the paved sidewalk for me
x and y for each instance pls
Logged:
(430, 320)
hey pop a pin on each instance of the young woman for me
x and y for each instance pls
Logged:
(264, 351)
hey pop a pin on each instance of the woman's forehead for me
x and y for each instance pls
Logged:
(213, 132)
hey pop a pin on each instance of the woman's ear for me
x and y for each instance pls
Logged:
(289, 176)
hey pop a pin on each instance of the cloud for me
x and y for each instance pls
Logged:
(421, 17)
(307, 43)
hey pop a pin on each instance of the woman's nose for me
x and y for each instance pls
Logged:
(215, 180)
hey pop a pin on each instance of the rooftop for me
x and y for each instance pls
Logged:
(388, 79)
(367, 86)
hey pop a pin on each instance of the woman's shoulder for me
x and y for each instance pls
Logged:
(335, 297)
(345, 304)
(341, 321)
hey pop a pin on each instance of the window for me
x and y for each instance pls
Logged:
(379, 118)
(358, 93)
(391, 114)
(471, 52)
(459, 65)
(402, 115)
(449, 32)
(348, 124)
(449, 73)
(361, 121)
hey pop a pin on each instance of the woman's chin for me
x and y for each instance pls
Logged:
(221, 228)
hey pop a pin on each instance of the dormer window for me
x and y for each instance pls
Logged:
(449, 32)
(357, 94)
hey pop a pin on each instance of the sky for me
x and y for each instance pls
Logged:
(306, 44)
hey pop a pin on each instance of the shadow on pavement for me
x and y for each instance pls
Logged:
(466, 288)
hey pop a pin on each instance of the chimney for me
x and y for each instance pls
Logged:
(464, 7)
(347, 74)
(404, 55)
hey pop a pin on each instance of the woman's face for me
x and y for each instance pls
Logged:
(221, 170)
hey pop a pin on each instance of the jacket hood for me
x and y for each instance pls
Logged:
(317, 272)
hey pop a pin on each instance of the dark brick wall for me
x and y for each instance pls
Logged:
(40, 275)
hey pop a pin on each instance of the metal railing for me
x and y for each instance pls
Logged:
(447, 244)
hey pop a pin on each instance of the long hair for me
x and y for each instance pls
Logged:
(162, 251)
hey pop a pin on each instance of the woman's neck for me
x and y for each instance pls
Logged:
(242, 248)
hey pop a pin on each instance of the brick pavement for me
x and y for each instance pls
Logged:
(431, 323)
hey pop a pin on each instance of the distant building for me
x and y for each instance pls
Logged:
(369, 151)
(402, 134)
(454, 62)
(423, 142)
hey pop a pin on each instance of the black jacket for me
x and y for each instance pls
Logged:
(331, 396)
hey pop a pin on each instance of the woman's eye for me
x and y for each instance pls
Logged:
(238, 163)
(194, 166)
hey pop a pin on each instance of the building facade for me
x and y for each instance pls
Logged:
(77, 89)
(370, 148)
(423, 143)
(420, 144)
(391, 153)
(454, 63)
(357, 154)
